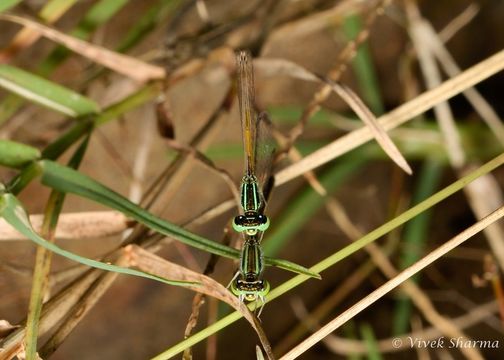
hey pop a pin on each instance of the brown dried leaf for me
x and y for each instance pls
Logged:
(26, 37)
(370, 120)
(155, 265)
(120, 63)
(270, 67)
(79, 225)
(396, 117)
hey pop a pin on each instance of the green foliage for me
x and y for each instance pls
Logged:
(13, 212)
(44, 92)
(7, 4)
(17, 155)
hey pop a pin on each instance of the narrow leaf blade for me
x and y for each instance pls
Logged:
(68, 180)
(7, 4)
(16, 155)
(120, 63)
(13, 212)
(45, 92)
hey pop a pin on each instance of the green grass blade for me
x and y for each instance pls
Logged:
(17, 155)
(290, 266)
(139, 97)
(371, 343)
(7, 4)
(146, 23)
(415, 236)
(97, 15)
(45, 93)
(49, 13)
(304, 206)
(338, 256)
(43, 259)
(84, 126)
(54, 9)
(29, 172)
(9, 106)
(349, 332)
(67, 180)
(13, 213)
(60, 145)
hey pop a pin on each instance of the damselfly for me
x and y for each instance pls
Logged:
(248, 283)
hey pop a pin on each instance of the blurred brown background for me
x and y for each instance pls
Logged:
(137, 318)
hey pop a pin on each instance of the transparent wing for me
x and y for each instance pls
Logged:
(264, 155)
(258, 143)
(247, 109)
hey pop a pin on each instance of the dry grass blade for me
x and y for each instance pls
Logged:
(393, 283)
(284, 67)
(422, 301)
(344, 57)
(6, 328)
(419, 298)
(423, 35)
(197, 303)
(485, 195)
(370, 120)
(400, 115)
(478, 102)
(294, 155)
(53, 312)
(345, 346)
(26, 37)
(464, 18)
(140, 162)
(80, 225)
(351, 284)
(128, 66)
(84, 304)
(432, 76)
(199, 300)
(153, 264)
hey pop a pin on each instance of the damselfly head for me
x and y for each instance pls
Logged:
(251, 223)
(250, 290)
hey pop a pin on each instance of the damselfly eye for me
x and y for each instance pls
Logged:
(239, 223)
(263, 222)
(265, 288)
(251, 223)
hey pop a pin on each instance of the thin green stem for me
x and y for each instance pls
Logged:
(43, 259)
(415, 236)
(340, 255)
